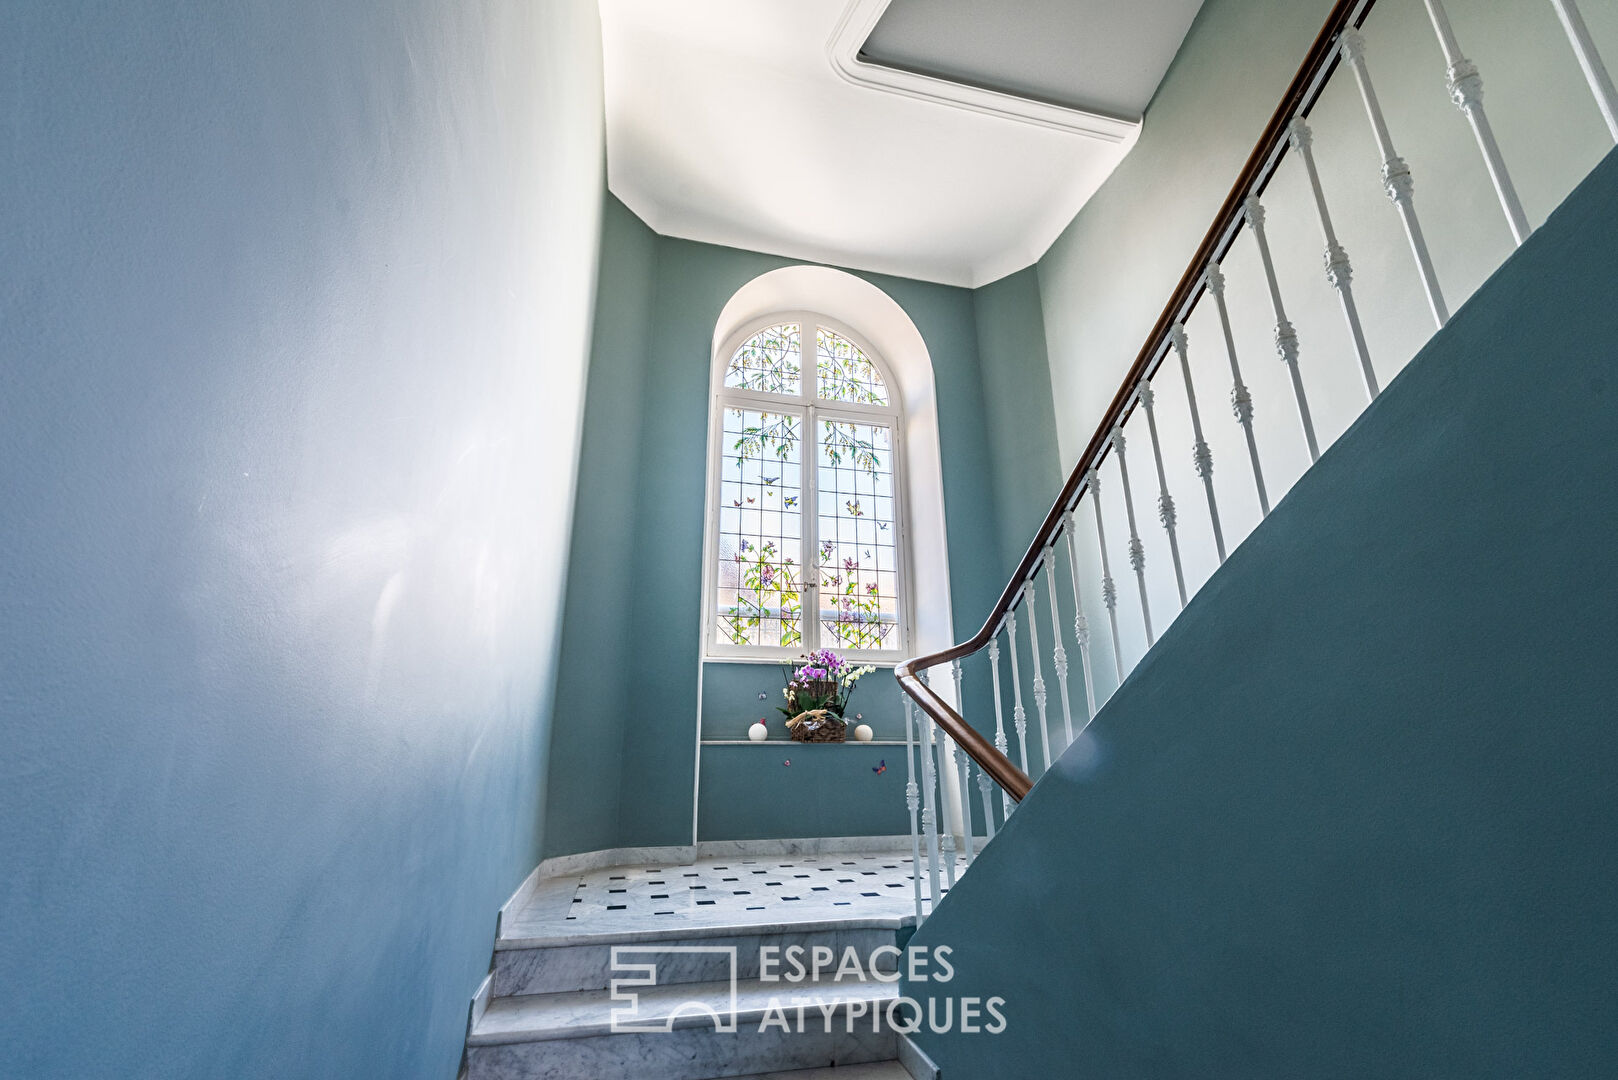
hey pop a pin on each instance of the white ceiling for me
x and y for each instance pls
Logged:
(753, 124)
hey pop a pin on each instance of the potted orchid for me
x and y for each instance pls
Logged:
(817, 694)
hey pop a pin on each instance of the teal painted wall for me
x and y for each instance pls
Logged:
(653, 706)
(1354, 815)
(1019, 409)
(593, 690)
(294, 325)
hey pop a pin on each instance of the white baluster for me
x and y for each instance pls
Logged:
(938, 745)
(988, 805)
(966, 771)
(1081, 625)
(1109, 589)
(1137, 550)
(1059, 653)
(1595, 72)
(946, 767)
(1466, 90)
(999, 715)
(1165, 501)
(1396, 178)
(1286, 338)
(1019, 715)
(913, 804)
(1201, 455)
(1039, 679)
(929, 813)
(1339, 272)
(1241, 402)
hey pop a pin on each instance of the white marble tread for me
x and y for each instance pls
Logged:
(586, 1013)
(718, 894)
(874, 1070)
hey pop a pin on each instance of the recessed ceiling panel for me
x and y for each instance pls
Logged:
(1105, 55)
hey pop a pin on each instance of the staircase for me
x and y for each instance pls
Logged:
(726, 966)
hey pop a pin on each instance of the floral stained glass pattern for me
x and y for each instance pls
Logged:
(844, 373)
(857, 558)
(760, 529)
(769, 362)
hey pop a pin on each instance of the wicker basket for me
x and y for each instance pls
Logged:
(817, 726)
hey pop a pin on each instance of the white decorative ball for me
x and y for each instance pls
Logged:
(863, 733)
(758, 732)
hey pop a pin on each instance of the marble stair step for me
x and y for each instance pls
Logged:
(526, 966)
(568, 1036)
(874, 1070)
(577, 1014)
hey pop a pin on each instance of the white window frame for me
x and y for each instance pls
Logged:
(812, 410)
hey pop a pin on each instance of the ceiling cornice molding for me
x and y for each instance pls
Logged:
(854, 29)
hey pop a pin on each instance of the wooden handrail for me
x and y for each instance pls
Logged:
(1300, 95)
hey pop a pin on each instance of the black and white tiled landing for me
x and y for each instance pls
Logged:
(755, 892)
(547, 1010)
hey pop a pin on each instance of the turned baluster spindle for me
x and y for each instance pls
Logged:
(1109, 588)
(1081, 624)
(1165, 501)
(1059, 653)
(913, 804)
(1286, 338)
(1339, 272)
(1137, 550)
(1396, 178)
(943, 766)
(965, 760)
(984, 784)
(1241, 402)
(1029, 597)
(1466, 90)
(929, 813)
(1201, 454)
(999, 715)
(1019, 715)
(1595, 71)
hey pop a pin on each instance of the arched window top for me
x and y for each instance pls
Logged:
(770, 361)
(844, 373)
(807, 531)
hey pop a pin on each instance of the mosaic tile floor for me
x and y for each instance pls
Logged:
(726, 891)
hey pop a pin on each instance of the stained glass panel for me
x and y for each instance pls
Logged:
(858, 555)
(844, 373)
(768, 361)
(760, 529)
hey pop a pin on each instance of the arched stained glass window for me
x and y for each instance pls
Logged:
(806, 528)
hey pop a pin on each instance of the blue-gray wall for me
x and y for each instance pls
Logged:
(593, 691)
(1018, 408)
(652, 420)
(294, 321)
(1353, 816)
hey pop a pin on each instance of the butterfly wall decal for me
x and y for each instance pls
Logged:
(735, 502)
(791, 501)
(883, 525)
(880, 767)
(769, 481)
(853, 506)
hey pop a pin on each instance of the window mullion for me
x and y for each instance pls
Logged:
(809, 471)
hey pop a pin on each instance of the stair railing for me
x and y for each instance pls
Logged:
(942, 727)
